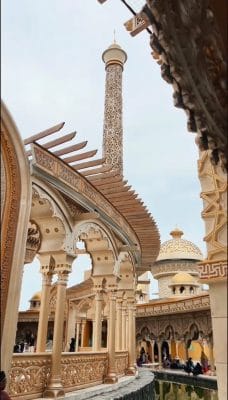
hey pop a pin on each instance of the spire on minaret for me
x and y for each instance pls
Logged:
(114, 58)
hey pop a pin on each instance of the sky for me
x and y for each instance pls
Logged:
(52, 71)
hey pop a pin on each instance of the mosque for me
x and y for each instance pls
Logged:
(53, 198)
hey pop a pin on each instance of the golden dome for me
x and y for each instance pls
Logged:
(183, 278)
(36, 297)
(178, 248)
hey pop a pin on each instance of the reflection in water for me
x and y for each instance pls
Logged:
(178, 391)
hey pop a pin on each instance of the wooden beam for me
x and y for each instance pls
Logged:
(123, 202)
(108, 179)
(107, 186)
(56, 142)
(81, 156)
(88, 164)
(70, 149)
(96, 171)
(113, 190)
(120, 194)
(45, 133)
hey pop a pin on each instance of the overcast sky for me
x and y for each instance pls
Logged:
(52, 72)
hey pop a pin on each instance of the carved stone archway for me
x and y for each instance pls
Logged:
(15, 205)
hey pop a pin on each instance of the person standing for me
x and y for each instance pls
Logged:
(3, 394)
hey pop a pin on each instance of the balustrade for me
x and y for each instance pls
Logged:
(29, 373)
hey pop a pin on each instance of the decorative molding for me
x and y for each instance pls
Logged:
(173, 307)
(10, 213)
(47, 162)
(214, 194)
(213, 270)
(158, 327)
(33, 242)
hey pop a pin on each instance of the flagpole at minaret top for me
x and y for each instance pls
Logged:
(114, 58)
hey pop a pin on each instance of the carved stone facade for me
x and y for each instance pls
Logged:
(114, 57)
(180, 323)
(214, 195)
(188, 42)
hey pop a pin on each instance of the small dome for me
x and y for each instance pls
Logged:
(178, 248)
(36, 296)
(183, 278)
(114, 54)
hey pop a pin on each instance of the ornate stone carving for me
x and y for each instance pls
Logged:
(33, 241)
(113, 130)
(121, 363)
(214, 192)
(213, 270)
(194, 303)
(42, 159)
(75, 209)
(179, 325)
(82, 370)
(187, 44)
(10, 214)
(29, 375)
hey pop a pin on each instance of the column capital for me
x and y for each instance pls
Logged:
(47, 263)
(62, 278)
(47, 278)
(63, 262)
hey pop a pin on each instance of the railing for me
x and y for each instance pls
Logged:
(83, 370)
(30, 372)
(121, 362)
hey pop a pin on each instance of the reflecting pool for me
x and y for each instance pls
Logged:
(178, 391)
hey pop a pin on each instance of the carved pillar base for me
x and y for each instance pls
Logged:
(111, 378)
(54, 390)
(131, 371)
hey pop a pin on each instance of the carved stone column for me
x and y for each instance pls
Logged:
(124, 326)
(114, 58)
(47, 266)
(97, 323)
(177, 348)
(213, 270)
(70, 325)
(131, 345)
(83, 333)
(78, 326)
(119, 325)
(63, 267)
(159, 353)
(152, 350)
(211, 355)
(111, 375)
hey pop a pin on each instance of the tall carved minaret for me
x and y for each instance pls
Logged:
(114, 58)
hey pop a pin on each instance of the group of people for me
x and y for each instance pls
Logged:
(25, 345)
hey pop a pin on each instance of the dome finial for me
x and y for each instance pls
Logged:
(114, 36)
(176, 233)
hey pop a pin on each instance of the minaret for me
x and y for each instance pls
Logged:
(114, 58)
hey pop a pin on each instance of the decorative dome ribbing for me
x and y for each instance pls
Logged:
(178, 248)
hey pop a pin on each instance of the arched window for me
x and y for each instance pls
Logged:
(174, 290)
(191, 290)
(182, 289)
